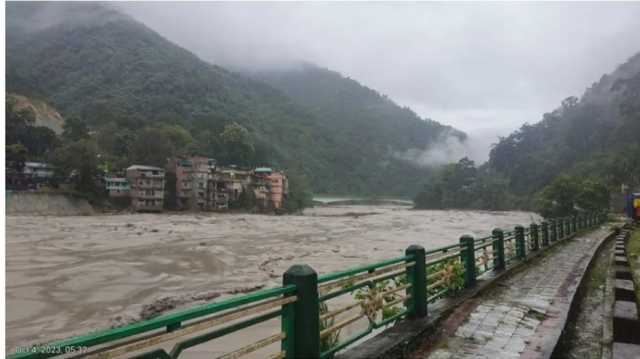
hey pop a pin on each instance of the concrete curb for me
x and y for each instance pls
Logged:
(565, 309)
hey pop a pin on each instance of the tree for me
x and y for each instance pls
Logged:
(237, 144)
(17, 121)
(179, 137)
(79, 159)
(74, 129)
(300, 195)
(558, 198)
(40, 141)
(150, 147)
(567, 195)
(592, 196)
(431, 196)
(16, 155)
(623, 167)
(462, 185)
(21, 129)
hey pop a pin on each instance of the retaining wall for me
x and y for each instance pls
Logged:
(46, 204)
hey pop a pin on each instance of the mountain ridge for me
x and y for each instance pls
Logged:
(120, 71)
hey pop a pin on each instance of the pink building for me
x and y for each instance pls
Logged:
(271, 187)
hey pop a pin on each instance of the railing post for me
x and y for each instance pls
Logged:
(306, 313)
(468, 256)
(533, 231)
(521, 251)
(561, 228)
(497, 235)
(417, 275)
(554, 230)
(545, 234)
(574, 228)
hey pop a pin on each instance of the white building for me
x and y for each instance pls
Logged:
(38, 169)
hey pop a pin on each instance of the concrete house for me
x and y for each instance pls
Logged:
(270, 188)
(146, 188)
(192, 180)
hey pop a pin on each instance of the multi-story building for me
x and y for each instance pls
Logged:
(192, 180)
(146, 187)
(218, 193)
(200, 185)
(270, 188)
(239, 180)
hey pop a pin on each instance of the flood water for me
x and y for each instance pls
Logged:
(70, 275)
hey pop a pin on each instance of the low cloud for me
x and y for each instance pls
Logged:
(449, 148)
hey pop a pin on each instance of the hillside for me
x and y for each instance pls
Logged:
(92, 62)
(579, 156)
(596, 135)
(348, 106)
(372, 128)
(44, 114)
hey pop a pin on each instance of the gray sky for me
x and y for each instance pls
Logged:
(483, 68)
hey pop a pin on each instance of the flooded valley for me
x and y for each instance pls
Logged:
(71, 275)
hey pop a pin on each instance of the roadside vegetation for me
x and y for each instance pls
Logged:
(633, 253)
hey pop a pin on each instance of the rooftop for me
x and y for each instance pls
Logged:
(37, 164)
(263, 169)
(147, 168)
(116, 179)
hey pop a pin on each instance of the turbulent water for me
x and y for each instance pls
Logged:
(70, 275)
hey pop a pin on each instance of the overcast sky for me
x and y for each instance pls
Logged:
(483, 68)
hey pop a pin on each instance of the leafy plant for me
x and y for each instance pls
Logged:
(453, 275)
(373, 298)
(332, 339)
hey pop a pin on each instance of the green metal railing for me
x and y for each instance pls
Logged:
(316, 312)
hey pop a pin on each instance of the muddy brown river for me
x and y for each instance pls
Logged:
(70, 275)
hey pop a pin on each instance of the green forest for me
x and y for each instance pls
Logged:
(144, 99)
(577, 156)
(129, 96)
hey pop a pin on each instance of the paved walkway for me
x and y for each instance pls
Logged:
(523, 316)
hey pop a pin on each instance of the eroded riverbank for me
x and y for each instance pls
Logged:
(71, 275)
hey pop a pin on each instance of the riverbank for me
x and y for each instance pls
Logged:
(46, 204)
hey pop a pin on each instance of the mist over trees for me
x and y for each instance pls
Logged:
(146, 98)
(573, 159)
(131, 96)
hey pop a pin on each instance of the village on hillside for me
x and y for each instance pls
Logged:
(186, 183)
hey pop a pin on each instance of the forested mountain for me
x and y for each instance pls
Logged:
(577, 156)
(351, 108)
(130, 85)
(596, 135)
